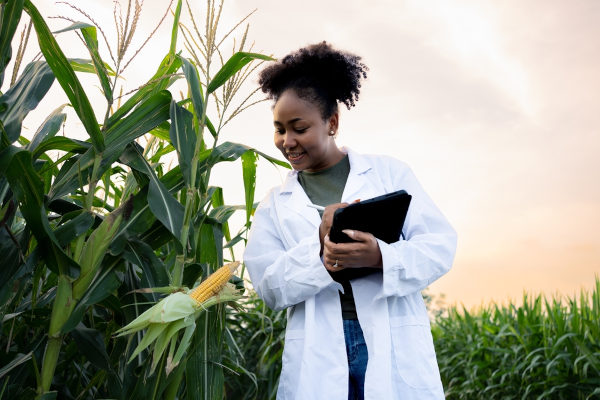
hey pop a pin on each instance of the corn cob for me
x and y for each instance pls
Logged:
(214, 283)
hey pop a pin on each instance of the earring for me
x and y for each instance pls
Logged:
(331, 133)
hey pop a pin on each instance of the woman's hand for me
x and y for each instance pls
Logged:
(327, 220)
(362, 253)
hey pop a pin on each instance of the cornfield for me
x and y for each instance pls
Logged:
(542, 349)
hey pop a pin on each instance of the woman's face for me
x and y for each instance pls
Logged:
(301, 134)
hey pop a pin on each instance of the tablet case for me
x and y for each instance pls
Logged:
(383, 216)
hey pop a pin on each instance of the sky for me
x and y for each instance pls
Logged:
(494, 105)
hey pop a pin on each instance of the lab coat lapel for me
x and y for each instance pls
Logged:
(357, 185)
(295, 200)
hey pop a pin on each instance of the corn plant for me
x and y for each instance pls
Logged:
(543, 349)
(93, 237)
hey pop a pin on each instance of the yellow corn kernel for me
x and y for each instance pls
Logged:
(214, 283)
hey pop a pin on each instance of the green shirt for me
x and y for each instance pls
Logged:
(323, 188)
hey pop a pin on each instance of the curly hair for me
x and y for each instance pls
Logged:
(318, 73)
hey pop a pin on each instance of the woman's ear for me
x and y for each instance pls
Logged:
(333, 123)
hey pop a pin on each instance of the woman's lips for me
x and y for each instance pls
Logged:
(295, 157)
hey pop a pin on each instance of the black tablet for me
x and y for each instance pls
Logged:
(383, 216)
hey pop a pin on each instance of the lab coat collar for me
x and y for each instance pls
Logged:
(297, 199)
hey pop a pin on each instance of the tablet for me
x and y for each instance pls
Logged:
(383, 216)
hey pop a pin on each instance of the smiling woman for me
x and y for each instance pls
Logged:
(366, 337)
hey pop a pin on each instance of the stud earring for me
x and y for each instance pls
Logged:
(331, 133)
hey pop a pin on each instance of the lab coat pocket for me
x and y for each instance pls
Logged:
(413, 351)
(293, 350)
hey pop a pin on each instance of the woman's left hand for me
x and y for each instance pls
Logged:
(362, 253)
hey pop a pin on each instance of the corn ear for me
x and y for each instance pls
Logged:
(178, 311)
(214, 283)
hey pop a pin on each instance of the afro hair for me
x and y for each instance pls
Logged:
(318, 73)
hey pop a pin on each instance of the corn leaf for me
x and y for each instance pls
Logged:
(15, 362)
(229, 151)
(249, 161)
(162, 203)
(91, 41)
(90, 343)
(77, 223)
(24, 96)
(49, 128)
(9, 20)
(61, 143)
(154, 271)
(146, 117)
(233, 65)
(66, 76)
(183, 138)
(28, 189)
(191, 75)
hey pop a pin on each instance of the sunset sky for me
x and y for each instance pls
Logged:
(495, 106)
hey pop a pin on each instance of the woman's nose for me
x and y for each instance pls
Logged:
(289, 141)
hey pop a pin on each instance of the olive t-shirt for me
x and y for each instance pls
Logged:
(323, 188)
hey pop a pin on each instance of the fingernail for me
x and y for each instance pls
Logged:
(349, 232)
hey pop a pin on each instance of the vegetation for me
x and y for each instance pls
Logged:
(543, 349)
(94, 232)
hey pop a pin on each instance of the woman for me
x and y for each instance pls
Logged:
(364, 338)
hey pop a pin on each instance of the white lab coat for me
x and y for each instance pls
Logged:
(282, 257)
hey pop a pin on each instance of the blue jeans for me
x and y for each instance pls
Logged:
(356, 349)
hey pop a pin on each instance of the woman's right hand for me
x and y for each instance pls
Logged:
(327, 220)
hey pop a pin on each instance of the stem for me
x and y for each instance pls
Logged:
(61, 311)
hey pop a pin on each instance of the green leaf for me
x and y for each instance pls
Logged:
(24, 96)
(49, 127)
(154, 271)
(233, 65)
(9, 20)
(209, 247)
(204, 367)
(74, 26)
(229, 151)
(150, 114)
(90, 343)
(175, 29)
(77, 223)
(61, 143)
(183, 138)
(18, 360)
(66, 76)
(91, 41)
(87, 66)
(249, 161)
(29, 191)
(191, 74)
(162, 203)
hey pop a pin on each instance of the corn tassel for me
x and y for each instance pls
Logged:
(214, 283)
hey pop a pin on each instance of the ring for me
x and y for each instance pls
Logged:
(335, 265)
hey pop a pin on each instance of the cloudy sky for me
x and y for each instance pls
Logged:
(493, 104)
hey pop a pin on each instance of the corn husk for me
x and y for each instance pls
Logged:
(163, 322)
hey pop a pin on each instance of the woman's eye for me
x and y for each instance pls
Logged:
(300, 130)
(279, 131)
